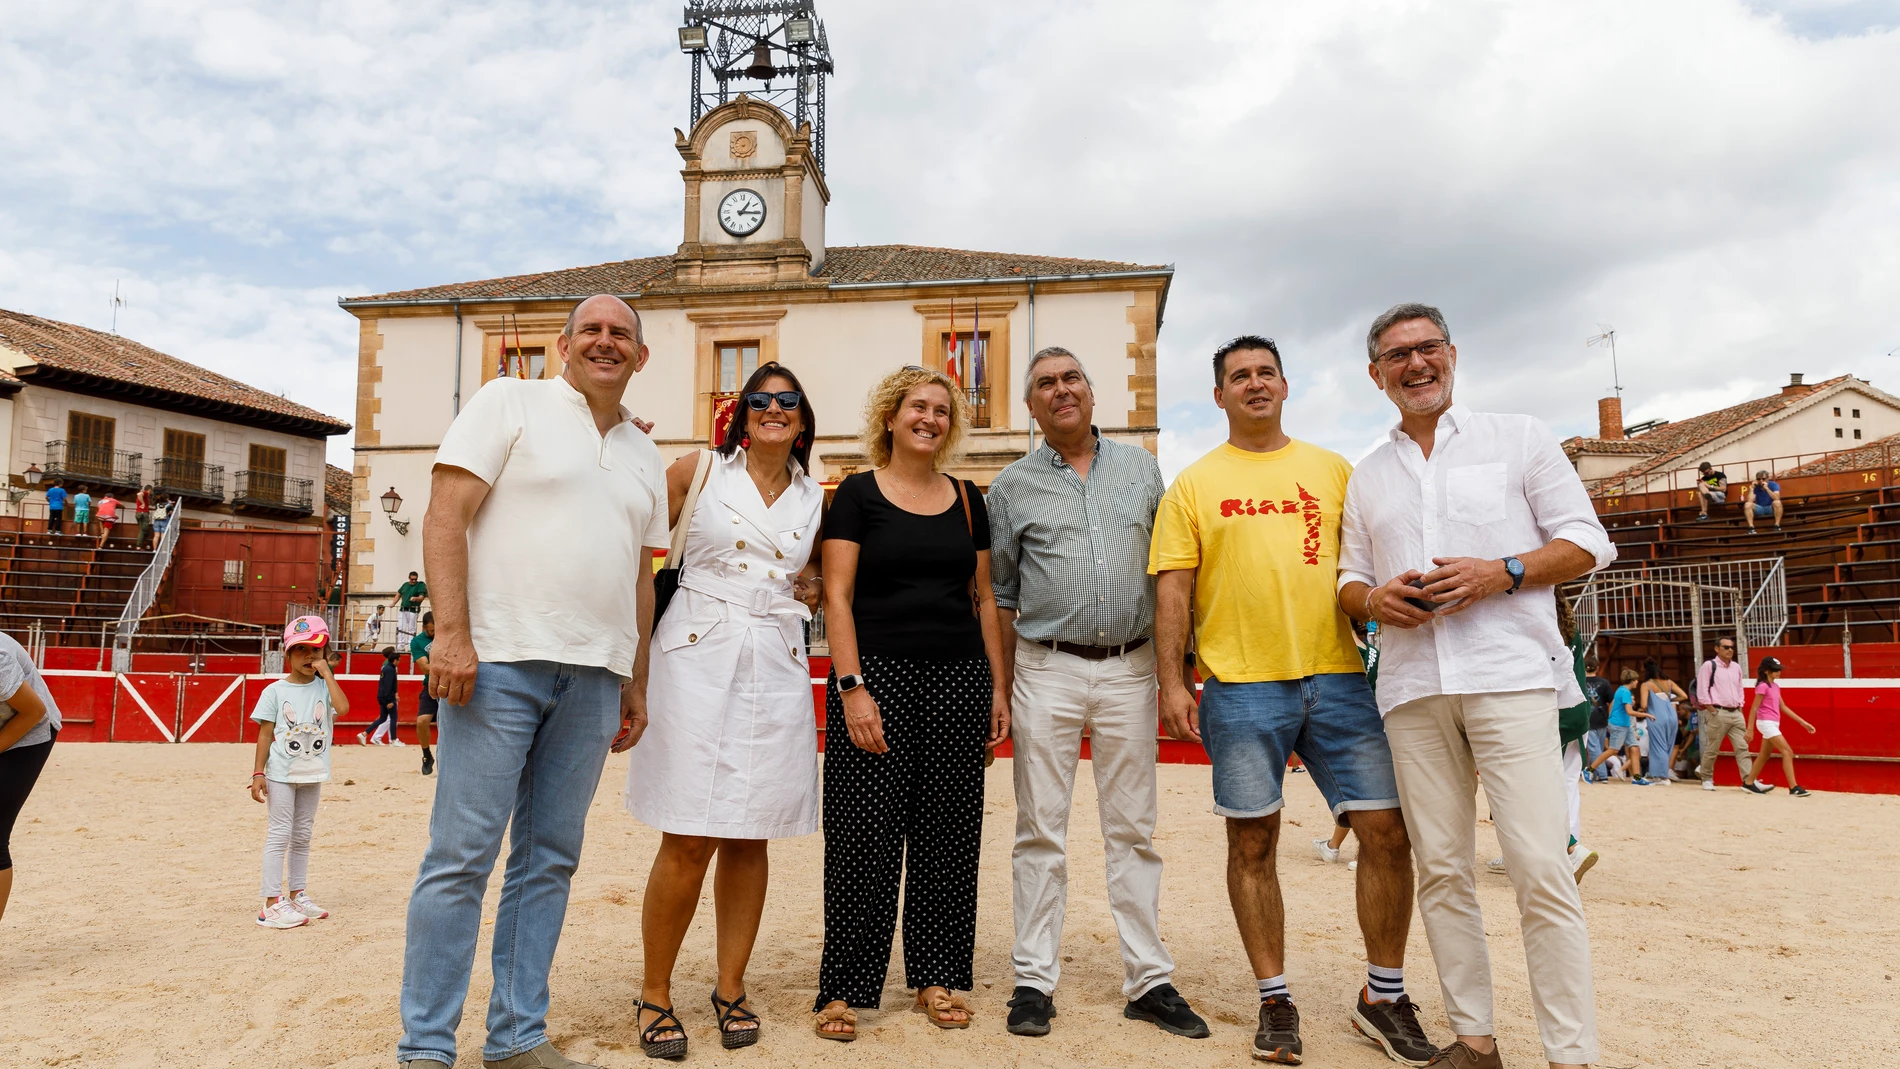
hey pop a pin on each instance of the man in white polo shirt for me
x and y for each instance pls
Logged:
(545, 500)
(1455, 530)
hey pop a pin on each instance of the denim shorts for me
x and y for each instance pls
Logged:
(1330, 721)
(1762, 512)
(1621, 737)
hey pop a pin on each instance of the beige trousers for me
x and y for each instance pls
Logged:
(1438, 744)
(1716, 724)
(1054, 697)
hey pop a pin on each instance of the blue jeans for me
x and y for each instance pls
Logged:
(1592, 745)
(1329, 720)
(528, 746)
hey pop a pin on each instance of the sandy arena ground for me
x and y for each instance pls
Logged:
(1729, 931)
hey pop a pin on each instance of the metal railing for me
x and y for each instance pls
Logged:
(271, 490)
(978, 398)
(1746, 597)
(188, 478)
(1840, 469)
(144, 593)
(89, 463)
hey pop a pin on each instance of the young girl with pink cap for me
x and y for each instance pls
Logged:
(295, 716)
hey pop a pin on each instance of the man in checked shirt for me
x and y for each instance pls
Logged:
(1069, 527)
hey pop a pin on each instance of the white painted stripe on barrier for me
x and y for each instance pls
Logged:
(140, 699)
(212, 708)
(75, 672)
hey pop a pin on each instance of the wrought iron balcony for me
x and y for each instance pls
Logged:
(978, 398)
(270, 491)
(188, 478)
(83, 462)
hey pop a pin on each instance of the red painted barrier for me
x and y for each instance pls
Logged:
(211, 708)
(144, 708)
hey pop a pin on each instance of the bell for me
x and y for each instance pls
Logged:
(761, 67)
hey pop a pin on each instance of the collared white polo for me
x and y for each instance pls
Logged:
(1496, 485)
(555, 551)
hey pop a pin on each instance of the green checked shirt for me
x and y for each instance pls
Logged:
(1071, 557)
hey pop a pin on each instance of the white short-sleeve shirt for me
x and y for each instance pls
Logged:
(555, 550)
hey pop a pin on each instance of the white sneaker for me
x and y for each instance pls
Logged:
(1352, 866)
(1326, 850)
(362, 738)
(1708, 784)
(394, 741)
(1496, 864)
(301, 901)
(1582, 859)
(281, 915)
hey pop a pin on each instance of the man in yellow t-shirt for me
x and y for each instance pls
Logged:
(1250, 535)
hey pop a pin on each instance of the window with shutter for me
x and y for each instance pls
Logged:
(267, 472)
(89, 444)
(183, 466)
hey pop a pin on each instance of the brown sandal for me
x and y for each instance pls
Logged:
(836, 1012)
(944, 1003)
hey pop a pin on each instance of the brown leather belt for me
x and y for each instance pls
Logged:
(1094, 653)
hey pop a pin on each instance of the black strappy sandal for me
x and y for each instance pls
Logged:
(674, 1049)
(734, 1038)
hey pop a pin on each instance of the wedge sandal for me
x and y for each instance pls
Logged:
(650, 1044)
(734, 1013)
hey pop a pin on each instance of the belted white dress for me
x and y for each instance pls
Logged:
(731, 745)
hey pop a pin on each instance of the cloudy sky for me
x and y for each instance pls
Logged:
(1719, 181)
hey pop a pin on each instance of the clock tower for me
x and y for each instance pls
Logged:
(755, 199)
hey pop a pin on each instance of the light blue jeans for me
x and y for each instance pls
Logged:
(528, 746)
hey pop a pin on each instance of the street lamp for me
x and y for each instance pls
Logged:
(33, 474)
(391, 502)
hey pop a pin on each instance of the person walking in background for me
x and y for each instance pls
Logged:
(727, 762)
(385, 702)
(539, 658)
(1623, 742)
(1718, 693)
(108, 516)
(373, 628)
(408, 603)
(1488, 502)
(296, 718)
(1658, 697)
(142, 511)
(1764, 715)
(56, 508)
(426, 705)
(1762, 502)
(82, 511)
(1711, 488)
(1600, 691)
(1071, 519)
(29, 723)
(1246, 546)
(918, 691)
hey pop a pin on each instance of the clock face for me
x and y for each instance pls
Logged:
(742, 212)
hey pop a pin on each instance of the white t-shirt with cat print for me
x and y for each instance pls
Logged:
(303, 719)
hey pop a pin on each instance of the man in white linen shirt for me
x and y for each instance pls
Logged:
(545, 504)
(1484, 512)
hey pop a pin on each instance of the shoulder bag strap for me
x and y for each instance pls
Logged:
(677, 550)
(963, 495)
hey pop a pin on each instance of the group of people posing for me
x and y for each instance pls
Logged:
(1064, 602)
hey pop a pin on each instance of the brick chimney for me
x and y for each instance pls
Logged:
(1795, 387)
(1610, 417)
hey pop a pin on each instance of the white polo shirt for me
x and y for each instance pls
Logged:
(555, 551)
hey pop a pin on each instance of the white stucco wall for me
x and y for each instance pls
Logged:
(1095, 327)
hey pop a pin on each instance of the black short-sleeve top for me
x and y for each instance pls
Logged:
(911, 598)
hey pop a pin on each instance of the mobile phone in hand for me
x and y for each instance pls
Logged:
(1420, 603)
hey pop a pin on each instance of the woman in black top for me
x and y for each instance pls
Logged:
(915, 698)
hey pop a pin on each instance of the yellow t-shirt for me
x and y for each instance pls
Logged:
(1263, 531)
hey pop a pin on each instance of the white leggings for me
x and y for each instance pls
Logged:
(293, 813)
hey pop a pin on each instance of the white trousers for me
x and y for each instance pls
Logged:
(293, 815)
(1573, 787)
(1056, 696)
(405, 630)
(1438, 744)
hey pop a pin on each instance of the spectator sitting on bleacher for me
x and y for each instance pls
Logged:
(1762, 501)
(1711, 488)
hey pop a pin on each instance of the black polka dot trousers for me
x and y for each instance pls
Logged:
(913, 813)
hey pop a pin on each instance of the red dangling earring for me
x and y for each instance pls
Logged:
(745, 441)
(800, 440)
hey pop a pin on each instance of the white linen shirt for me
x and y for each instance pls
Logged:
(1496, 485)
(555, 551)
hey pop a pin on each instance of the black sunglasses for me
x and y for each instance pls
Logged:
(788, 400)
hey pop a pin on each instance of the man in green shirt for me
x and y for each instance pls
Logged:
(408, 603)
(426, 705)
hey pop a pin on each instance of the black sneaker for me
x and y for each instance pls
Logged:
(428, 763)
(1278, 1039)
(1756, 788)
(1029, 1012)
(1799, 792)
(1394, 1026)
(1162, 1005)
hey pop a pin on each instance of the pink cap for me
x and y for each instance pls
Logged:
(307, 631)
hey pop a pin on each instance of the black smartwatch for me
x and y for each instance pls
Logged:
(1515, 568)
(849, 683)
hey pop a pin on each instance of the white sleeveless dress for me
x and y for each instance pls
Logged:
(731, 746)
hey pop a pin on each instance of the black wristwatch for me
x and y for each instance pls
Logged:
(1514, 568)
(849, 683)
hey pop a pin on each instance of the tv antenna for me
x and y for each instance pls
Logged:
(1608, 338)
(118, 302)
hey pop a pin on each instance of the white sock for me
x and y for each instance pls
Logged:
(1383, 984)
(1274, 985)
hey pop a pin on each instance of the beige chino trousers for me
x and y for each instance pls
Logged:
(1438, 744)
(1718, 723)
(1055, 696)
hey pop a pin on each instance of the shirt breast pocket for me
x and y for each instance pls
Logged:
(1474, 494)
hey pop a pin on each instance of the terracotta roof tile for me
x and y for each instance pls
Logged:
(1672, 440)
(1637, 447)
(338, 487)
(1875, 454)
(846, 263)
(64, 354)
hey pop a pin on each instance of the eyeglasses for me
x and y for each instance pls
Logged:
(1402, 355)
(788, 400)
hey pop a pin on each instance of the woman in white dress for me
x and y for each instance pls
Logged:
(729, 758)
